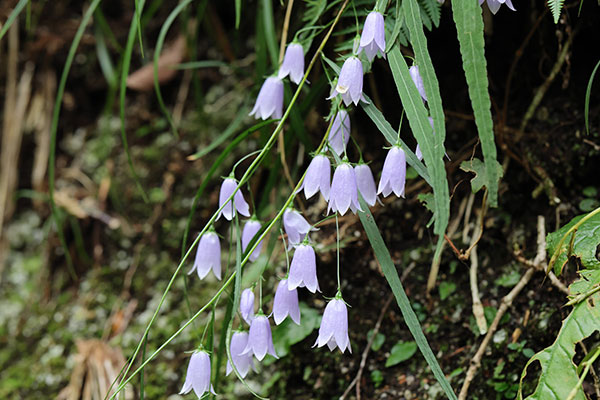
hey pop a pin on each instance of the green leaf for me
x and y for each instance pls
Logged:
(587, 239)
(469, 26)
(391, 274)
(377, 377)
(401, 351)
(432, 146)
(288, 333)
(417, 118)
(446, 289)
(477, 167)
(555, 7)
(589, 279)
(588, 93)
(559, 373)
(377, 341)
(13, 15)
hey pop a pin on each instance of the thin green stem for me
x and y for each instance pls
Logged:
(213, 218)
(337, 230)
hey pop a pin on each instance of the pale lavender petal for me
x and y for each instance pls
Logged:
(372, 40)
(494, 5)
(242, 362)
(366, 183)
(227, 188)
(260, 340)
(350, 81)
(339, 135)
(296, 227)
(270, 99)
(393, 176)
(293, 63)
(198, 374)
(285, 303)
(303, 269)
(208, 256)
(334, 326)
(343, 194)
(250, 230)
(317, 177)
(418, 81)
(247, 305)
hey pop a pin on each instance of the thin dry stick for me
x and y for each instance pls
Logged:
(280, 141)
(477, 306)
(435, 265)
(365, 353)
(505, 304)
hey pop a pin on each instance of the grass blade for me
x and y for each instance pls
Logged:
(588, 93)
(122, 90)
(13, 15)
(469, 27)
(389, 270)
(54, 128)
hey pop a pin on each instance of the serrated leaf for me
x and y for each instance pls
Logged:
(587, 239)
(559, 373)
(588, 280)
(401, 351)
(432, 8)
(469, 26)
(314, 9)
(477, 167)
(555, 7)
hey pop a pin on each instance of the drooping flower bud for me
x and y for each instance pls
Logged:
(418, 81)
(366, 183)
(393, 176)
(344, 193)
(339, 135)
(247, 305)
(250, 230)
(318, 176)
(198, 375)
(293, 63)
(260, 341)
(372, 40)
(296, 227)
(303, 269)
(242, 362)
(208, 256)
(350, 82)
(269, 102)
(494, 5)
(333, 331)
(285, 303)
(227, 188)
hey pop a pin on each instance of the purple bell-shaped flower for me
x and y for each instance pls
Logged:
(227, 188)
(318, 176)
(334, 326)
(494, 5)
(270, 99)
(247, 305)
(366, 183)
(303, 269)
(339, 135)
(372, 40)
(260, 341)
(418, 81)
(293, 63)
(295, 226)
(208, 256)
(350, 82)
(286, 303)
(250, 230)
(344, 193)
(242, 362)
(198, 375)
(393, 176)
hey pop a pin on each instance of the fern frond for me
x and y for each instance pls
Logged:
(555, 7)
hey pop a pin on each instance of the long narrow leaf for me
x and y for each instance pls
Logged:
(389, 270)
(417, 118)
(13, 15)
(469, 26)
(588, 93)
